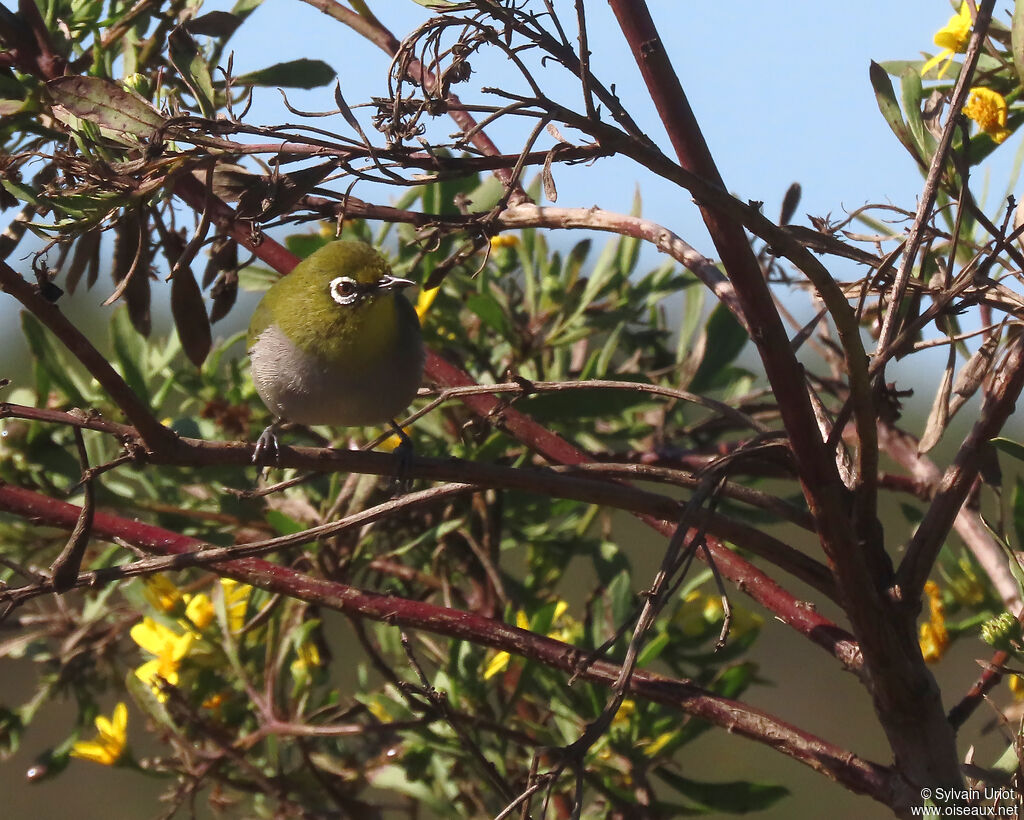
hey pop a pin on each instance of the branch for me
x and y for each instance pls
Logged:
(905, 694)
(153, 434)
(865, 777)
(1000, 400)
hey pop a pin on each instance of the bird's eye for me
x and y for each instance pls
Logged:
(344, 290)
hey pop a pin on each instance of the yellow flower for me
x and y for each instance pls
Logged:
(660, 742)
(988, 108)
(565, 634)
(199, 610)
(626, 710)
(111, 739)
(425, 300)
(161, 593)
(307, 659)
(393, 442)
(168, 649)
(504, 240)
(500, 661)
(934, 638)
(236, 601)
(952, 39)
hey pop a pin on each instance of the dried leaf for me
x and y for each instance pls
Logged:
(973, 373)
(86, 257)
(190, 317)
(121, 115)
(550, 191)
(224, 294)
(938, 418)
(132, 260)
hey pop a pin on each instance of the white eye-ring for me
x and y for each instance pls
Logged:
(345, 290)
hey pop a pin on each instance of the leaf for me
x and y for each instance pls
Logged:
(129, 348)
(629, 246)
(120, 114)
(734, 797)
(938, 418)
(886, 98)
(1010, 447)
(190, 317)
(912, 92)
(1017, 38)
(48, 357)
(301, 73)
(214, 24)
(489, 312)
(186, 56)
(725, 339)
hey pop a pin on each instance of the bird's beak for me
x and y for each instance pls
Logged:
(393, 283)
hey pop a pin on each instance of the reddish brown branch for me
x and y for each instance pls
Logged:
(862, 776)
(1000, 401)
(152, 433)
(905, 694)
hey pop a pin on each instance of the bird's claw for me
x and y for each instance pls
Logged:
(405, 453)
(268, 450)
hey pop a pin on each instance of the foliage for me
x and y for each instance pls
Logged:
(489, 643)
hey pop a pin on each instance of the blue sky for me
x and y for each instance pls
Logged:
(781, 91)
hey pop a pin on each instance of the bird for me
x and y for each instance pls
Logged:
(335, 342)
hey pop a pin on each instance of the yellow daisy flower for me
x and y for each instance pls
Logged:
(952, 39)
(988, 108)
(168, 649)
(111, 739)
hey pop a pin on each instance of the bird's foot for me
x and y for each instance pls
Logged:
(268, 450)
(405, 454)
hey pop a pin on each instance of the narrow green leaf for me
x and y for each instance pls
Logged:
(735, 797)
(913, 92)
(1010, 447)
(49, 358)
(186, 56)
(725, 339)
(890, 108)
(129, 349)
(301, 73)
(1017, 38)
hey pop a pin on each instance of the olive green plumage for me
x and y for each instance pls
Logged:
(335, 341)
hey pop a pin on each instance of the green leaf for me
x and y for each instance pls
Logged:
(283, 524)
(50, 359)
(886, 98)
(394, 778)
(1017, 38)
(629, 246)
(735, 797)
(301, 73)
(653, 649)
(121, 115)
(1018, 511)
(129, 347)
(1010, 447)
(489, 312)
(186, 56)
(725, 339)
(912, 92)
(303, 244)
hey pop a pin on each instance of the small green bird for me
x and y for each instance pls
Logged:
(335, 342)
